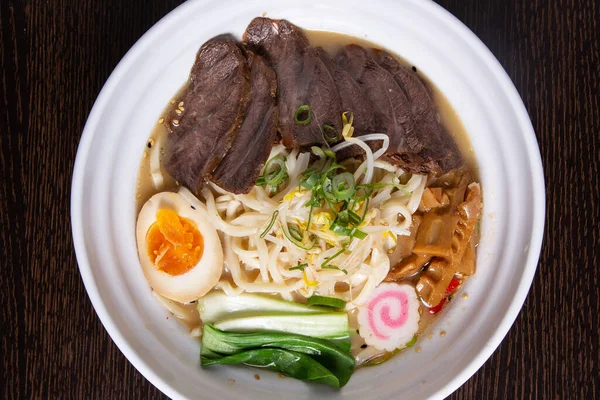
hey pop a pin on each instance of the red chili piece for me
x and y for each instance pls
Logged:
(451, 288)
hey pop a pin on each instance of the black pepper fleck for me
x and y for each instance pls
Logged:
(193, 208)
(364, 346)
(414, 68)
(149, 145)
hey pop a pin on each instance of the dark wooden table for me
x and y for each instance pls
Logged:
(56, 55)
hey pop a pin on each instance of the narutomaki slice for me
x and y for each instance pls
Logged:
(389, 319)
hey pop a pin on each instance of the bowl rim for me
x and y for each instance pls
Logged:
(497, 71)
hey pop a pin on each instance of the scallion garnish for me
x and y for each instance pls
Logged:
(296, 242)
(329, 134)
(354, 218)
(310, 181)
(299, 267)
(271, 222)
(335, 267)
(322, 153)
(340, 229)
(275, 171)
(328, 260)
(303, 115)
(312, 206)
(365, 210)
(326, 301)
(346, 231)
(343, 186)
(296, 233)
(327, 189)
(357, 233)
(363, 192)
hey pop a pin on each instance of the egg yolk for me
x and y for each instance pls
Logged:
(174, 243)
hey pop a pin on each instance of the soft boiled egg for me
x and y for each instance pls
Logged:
(179, 250)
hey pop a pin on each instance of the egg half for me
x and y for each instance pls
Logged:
(180, 251)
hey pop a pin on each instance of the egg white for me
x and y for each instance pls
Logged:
(203, 276)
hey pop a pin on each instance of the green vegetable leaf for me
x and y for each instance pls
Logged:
(289, 363)
(312, 353)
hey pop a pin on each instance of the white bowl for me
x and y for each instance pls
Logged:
(104, 189)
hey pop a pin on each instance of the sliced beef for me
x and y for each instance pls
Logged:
(214, 103)
(302, 80)
(239, 169)
(352, 100)
(440, 153)
(390, 104)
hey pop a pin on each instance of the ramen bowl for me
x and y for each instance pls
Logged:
(103, 206)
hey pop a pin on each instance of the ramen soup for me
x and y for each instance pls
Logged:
(308, 203)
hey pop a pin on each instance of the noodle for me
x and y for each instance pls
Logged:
(287, 267)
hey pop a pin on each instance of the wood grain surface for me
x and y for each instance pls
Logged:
(54, 58)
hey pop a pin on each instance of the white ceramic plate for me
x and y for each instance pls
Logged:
(104, 188)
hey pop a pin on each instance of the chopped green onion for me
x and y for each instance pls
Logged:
(326, 301)
(328, 260)
(299, 267)
(343, 186)
(409, 344)
(340, 230)
(298, 243)
(342, 218)
(329, 134)
(296, 233)
(359, 234)
(366, 209)
(274, 177)
(367, 191)
(333, 167)
(310, 181)
(334, 267)
(303, 115)
(309, 217)
(318, 151)
(354, 218)
(271, 222)
(327, 190)
(345, 231)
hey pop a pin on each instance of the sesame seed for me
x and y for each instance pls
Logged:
(178, 112)
(172, 101)
(175, 122)
(443, 333)
(137, 196)
(145, 155)
(180, 105)
(465, 296)
(281, 376)
(257, 377)
(161, 120)
(418, 349)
